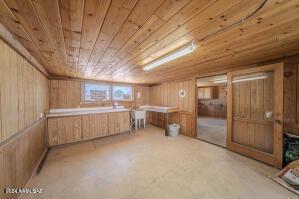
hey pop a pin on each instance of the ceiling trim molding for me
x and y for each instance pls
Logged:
(13, 43)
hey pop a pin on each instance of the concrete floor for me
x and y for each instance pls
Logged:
(212, 130)
(146, 164)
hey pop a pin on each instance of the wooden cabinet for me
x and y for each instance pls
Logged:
(207, 92)
(113, 123)
(62, 130)
(94, 126)
(124, 125)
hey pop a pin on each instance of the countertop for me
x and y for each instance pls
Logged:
(83, 111)
(160, 109)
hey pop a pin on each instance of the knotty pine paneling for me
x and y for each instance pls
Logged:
(167, 94)
(20, 157)
(291, 98)
(214, 107)
(111, 39)
(67, 94)
(24, 93)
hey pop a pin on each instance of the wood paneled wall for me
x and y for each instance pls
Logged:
(167, 94)
(214, 107)
(291, 97)
(24, 93)
(67, 94)
(20, 157)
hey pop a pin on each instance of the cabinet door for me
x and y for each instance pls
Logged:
(94, 126)
(207, 93)
(124, 121)
(69, 129)
(113, 123)
(104, 124)
(52, 131)
(64, 130)
(200, 93)
(85, 127)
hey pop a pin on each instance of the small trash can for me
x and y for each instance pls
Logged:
(173, 130)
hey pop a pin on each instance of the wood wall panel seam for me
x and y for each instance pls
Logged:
(20, 133)
(20, 157)
(24, 92)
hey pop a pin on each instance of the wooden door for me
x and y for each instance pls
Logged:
(255, 113)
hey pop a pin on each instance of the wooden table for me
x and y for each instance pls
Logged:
(161, 109)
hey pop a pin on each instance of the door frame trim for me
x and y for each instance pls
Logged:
(274, 159)
(196, 105)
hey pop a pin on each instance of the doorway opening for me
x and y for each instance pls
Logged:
(211, 109)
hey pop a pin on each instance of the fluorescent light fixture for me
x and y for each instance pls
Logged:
(219, 81)
(171, 56)
(242, 79)
(250, 78)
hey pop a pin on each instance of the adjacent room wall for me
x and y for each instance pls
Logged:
(291, 97)
(214, 107)
(67, 94)
(167, 94)
(24, 98)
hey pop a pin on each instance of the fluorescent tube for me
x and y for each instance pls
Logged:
(171, 56)
(250, 78)
(218, 81)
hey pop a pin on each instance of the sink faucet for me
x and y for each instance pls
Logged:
(113, 104)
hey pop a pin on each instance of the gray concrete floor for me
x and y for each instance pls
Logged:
(212, 130)
(146, 164)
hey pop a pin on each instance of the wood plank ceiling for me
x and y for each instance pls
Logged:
(113, 39)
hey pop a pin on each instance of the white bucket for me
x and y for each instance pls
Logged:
(173, 130)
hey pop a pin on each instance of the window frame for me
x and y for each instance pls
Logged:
(83, 100)
(122, 85)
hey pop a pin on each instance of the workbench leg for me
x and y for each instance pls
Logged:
(166, 124)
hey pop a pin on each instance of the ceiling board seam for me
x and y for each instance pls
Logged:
(24, 30)
(84, 4)
(37, 46)
(238, 22)
(212, 34)
(59, 11)
(229, 27)
(188, 68)
(165, 35)
(135, 32)
(97, 37)
(116, 33)
(45, 33)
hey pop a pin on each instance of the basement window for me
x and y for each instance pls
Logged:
(122, 93)
(94, 92)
